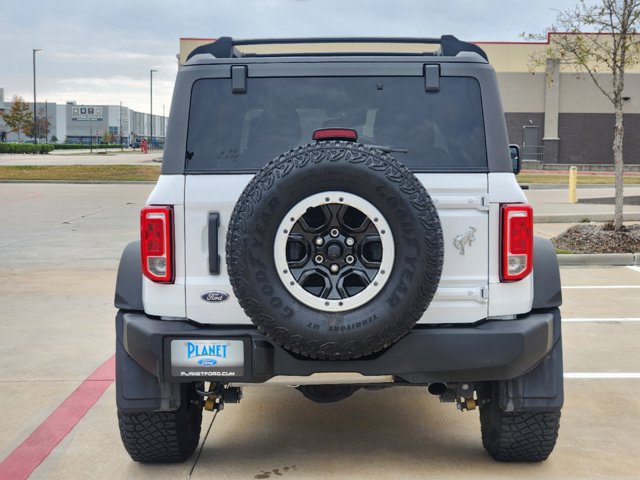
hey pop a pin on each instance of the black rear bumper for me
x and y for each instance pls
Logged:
(492, 350)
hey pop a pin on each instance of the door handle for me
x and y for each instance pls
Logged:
(214, 257)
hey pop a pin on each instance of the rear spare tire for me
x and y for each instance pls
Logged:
(334, 250)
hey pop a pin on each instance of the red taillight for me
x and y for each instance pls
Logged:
(335, 134)
(156, 243)
(517, 242)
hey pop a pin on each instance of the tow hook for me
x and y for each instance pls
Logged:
(219, 394)
(464, 397)
(213, 403)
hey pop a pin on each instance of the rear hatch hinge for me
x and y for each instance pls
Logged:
(478, 202)
(478, 294)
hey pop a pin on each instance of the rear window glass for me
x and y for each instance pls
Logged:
(436, 131)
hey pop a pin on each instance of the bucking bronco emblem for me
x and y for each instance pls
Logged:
(463, 239)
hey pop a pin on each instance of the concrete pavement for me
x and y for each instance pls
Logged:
(84, 157)
(59, 248)
(552, 205)
(553, 215)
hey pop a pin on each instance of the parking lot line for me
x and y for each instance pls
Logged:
(601, 319)
(634, 268)
(602, 375)
(37, 447)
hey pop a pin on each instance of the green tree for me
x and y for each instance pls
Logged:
(18, 118)
(611, 47)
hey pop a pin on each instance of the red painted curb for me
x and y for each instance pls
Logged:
(37, 447)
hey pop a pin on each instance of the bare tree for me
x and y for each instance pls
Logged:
(43, 125)
(600, 38)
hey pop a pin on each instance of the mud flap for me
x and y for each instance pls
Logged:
(542, 388)
(138, 390)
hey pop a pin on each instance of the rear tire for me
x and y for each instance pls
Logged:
(527, 436)
(162, 437)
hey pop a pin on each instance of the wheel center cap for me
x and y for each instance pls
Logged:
(334, 251)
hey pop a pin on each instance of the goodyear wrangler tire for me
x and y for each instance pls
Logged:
(334, 250)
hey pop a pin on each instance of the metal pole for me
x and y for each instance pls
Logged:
(35, 123)
(121, 147)
(46, 124)
(151, 101)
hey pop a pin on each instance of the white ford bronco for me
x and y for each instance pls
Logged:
(331, 222)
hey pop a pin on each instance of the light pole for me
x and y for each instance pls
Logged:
(151, 101)
(46, 124)
(35, 123)
(120, 129)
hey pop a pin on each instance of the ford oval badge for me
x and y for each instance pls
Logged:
(207, 362)
(214, 296)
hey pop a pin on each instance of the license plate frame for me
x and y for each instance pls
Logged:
(197, 358)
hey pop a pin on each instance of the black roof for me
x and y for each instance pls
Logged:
(225, 47)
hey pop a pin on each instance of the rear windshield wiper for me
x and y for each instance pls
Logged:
(387, 149)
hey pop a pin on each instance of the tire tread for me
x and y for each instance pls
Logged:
(527, 436)
(159, 437)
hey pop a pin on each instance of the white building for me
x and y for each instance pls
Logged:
(73, 123)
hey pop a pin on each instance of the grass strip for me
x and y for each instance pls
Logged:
(102, 173)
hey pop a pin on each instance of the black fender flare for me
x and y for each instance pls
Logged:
(129, 281)
(547, 290)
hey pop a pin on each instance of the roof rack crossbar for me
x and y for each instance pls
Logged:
(225, 47)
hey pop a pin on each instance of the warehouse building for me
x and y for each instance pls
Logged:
(556, 115)
(89, 124)
(86, 123)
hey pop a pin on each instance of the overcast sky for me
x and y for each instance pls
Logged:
(100, 52)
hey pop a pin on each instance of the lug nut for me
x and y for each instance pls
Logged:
(350, 259)
(319, 259)
(334, 232)
(350, 241)
(334, 268)
(319, 241)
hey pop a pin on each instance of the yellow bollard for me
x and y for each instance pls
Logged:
(573, 184)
